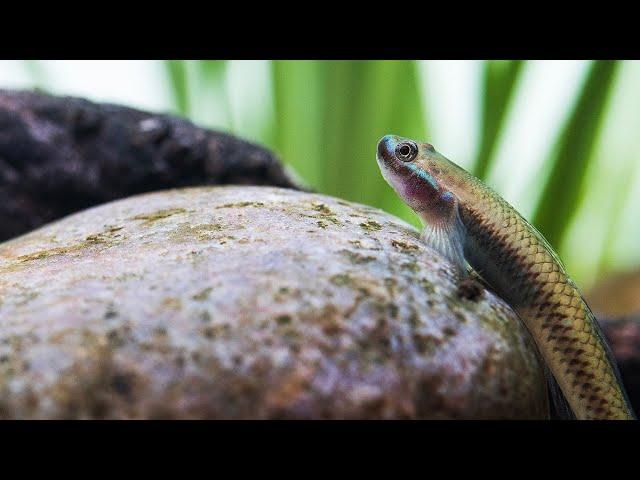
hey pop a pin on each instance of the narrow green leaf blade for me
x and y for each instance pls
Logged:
(177, 73)
(562, 191)
(500, 78)
(298, 133)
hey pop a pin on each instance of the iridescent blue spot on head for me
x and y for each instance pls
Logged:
(389, 142)
(447, 196)
(386, 146)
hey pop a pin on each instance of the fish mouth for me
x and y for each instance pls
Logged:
(385, 156)
(394, 171)
(387, 149)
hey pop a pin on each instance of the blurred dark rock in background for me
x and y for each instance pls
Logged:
(623, 335)
(59, 155)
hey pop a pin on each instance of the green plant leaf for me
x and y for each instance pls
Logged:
(573, 150)
(364, 101)
(298, 133)
(177, 73)
(499, 80)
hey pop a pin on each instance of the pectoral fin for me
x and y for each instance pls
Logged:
(446, 236)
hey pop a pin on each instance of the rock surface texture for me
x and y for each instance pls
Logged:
(251, 302)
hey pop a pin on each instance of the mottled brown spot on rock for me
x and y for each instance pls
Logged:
(469, 289)
(371, 226)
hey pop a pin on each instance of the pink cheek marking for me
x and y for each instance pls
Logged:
(418, 192)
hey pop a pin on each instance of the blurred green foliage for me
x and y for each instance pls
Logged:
(500, 78)
(327, 122)
(571, 157)
(324, 119)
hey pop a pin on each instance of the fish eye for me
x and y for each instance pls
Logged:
(406, 151)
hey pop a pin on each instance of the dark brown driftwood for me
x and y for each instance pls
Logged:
(59, 155)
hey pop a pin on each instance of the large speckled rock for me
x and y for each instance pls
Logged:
(251, 302)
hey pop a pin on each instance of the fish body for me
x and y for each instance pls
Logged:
(471, 225)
